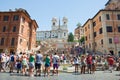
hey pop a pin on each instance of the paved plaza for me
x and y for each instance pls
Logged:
(99, 75)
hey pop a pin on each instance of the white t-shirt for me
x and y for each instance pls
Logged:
(55, 59)
(4, 58)
(19, 56)
(76, 61)
(39, 58)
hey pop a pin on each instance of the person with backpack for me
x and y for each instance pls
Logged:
(12, 61)
(38, 63)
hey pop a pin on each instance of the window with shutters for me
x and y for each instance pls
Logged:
(2, 41)
(5, 18)
(107, 17)
(12, 41)
(109, 29)
(4, 29)
(14, 29)
(15, 17)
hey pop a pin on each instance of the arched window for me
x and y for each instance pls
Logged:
(54, 23)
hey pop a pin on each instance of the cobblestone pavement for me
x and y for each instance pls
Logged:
(99, 75)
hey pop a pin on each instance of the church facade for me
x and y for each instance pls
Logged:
(58, 31)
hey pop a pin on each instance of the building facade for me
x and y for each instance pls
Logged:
(79, 32)
(17, 31)
(102, 32)
(58, 31)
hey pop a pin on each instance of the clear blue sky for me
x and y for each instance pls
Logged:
(43, 10)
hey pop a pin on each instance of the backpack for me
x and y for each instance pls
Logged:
(12, 58)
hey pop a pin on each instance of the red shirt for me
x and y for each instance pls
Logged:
(110, 61)
(89, 60)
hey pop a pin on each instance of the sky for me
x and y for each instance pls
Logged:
(77, 11)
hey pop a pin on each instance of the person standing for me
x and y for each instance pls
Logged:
(55, 63)
(93, 64)
(0, 62)
(47, 65)
(12, 61)
(89, 63)
(83, 64)
(3, 61)
(31, 64)
(19, 64)
(38, 63)
(76, 63)
(24, 63)
(110, 63)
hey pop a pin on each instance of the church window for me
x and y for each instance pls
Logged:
(54, 24)
(64, 34)
(64, 22)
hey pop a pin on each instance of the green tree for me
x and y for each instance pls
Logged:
(82, 39)
(78, 24)
(70, 37)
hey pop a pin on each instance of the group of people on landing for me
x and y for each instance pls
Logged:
(28, 64)
(31, 63)
(89, 63)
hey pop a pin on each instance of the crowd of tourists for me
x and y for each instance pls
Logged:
(37, 64)
(28, 64)
(89, 63)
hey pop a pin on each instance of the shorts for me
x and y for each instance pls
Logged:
(12, 64)
(47, 65)
(76, 64)
(83, 64)
(19, 66)
(89, 66)
(55, 66)
(31, 64)
(37, 66)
